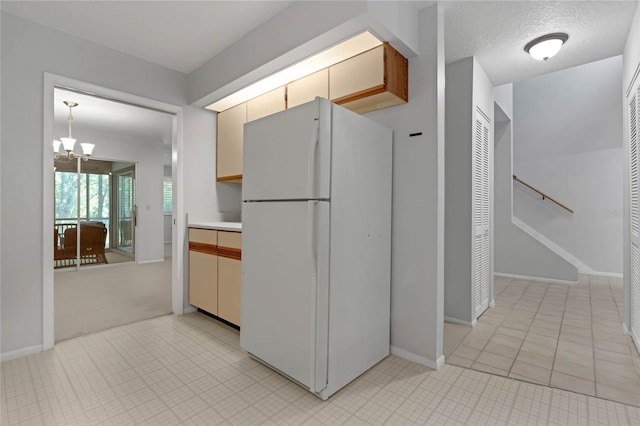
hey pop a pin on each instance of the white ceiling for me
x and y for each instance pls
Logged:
(110, 118)
(181, 35)
(102, 118)
(496, 32)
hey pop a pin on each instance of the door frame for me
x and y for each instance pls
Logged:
(178, 233)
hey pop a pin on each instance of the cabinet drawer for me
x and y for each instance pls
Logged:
(230, 239)
(204, 236)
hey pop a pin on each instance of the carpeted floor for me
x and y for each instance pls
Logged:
(117, 256)
(97, 299)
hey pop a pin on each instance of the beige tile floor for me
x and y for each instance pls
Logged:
(191, 370)
(563, 336)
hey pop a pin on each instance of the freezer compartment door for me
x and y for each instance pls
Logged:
(285, 272)
(286, 156)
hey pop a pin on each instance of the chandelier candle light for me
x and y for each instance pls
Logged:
(68, 143)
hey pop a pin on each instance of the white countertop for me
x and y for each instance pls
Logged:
(220, 226)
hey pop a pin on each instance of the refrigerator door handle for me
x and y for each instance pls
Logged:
(311, 236)
(311, 169)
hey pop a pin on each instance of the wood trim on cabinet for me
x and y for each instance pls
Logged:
(230, 253)
(396, 66)
(360, 95)
(203, 248)
(230, 179)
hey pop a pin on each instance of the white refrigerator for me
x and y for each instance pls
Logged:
(316, 244)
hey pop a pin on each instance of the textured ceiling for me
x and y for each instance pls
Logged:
(181, 35)
(496, 32)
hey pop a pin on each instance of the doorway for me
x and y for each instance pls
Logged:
(125, 277)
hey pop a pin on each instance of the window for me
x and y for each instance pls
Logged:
(167, 195)
(94, 199)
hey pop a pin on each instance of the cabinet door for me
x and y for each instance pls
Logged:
(229, 276)
(634, 210)
(267, 104)
(229, 143)
(203, 269)
(203, 281)
(362, 73)
(229, 273)
(307, 88)
(481, 202)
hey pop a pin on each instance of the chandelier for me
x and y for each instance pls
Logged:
(68, 143)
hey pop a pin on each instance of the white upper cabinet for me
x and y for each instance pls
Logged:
(267, 104)
(307, 88)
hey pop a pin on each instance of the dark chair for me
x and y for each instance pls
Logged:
(93, 237)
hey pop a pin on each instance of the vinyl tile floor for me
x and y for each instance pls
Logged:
(565, 336)
(191, 370)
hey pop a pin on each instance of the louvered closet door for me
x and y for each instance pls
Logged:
(634, 111)
(481, 274)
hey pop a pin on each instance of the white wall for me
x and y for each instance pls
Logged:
(299, 31)
(282, 34)
(516, 252)
(468, 88)
(418, 176)
(28, 50)
(567, 139)
(458, 156)
(202, 195)
(417, 265)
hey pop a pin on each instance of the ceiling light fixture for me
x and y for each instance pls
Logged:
(546, 46)
(69, 142)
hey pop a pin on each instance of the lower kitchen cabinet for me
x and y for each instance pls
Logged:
(215, 272)
(203, 269)
(229, 274)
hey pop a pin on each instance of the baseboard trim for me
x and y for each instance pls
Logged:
(19, 353)
(151, 261)
(569, 258)
(605, 274)
(427, 362)
(188, 309)
(459, 321)
(528, 278)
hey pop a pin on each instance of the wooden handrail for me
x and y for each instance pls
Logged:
(544, 196)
